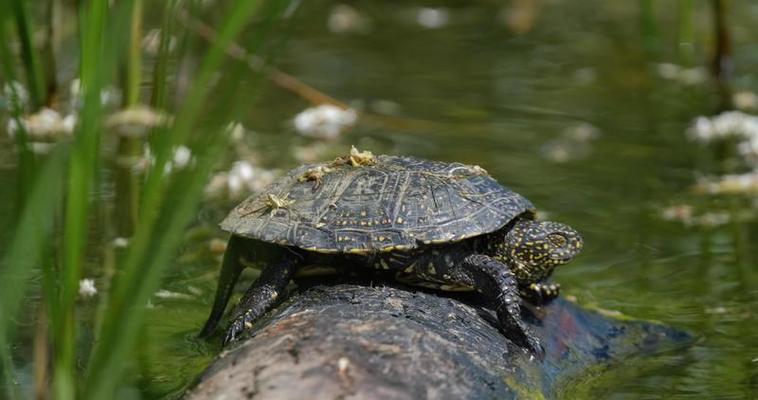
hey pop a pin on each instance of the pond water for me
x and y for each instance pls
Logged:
(583, 107)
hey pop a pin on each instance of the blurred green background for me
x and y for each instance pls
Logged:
(583, 107)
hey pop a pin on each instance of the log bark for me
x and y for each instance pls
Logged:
(351, 341)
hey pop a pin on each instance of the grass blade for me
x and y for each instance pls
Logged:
(32, 66)
(96, 64)
(31, 236)
(167, 206)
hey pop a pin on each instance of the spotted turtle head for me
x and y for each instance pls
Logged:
(534, 248)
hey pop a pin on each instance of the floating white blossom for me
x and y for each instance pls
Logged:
(241, 180)
(120, 242)
(344, 18)
(432, 18)
(685, 214)
(182, 157)
(729, 184)
(137, 121)
(87, 288)
(236, 131)
(325, 121)
(686, 76)
(109, 96)
(46, 124)
(151, 43)
(730, 124)
(724, 125)
(573, 143)
(168, 294)
(745, 100)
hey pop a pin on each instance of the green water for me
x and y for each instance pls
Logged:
(475, 91)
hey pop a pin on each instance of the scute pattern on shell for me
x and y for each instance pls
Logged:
(398, 203)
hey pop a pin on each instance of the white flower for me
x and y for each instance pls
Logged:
(325, 121)
(87, 288)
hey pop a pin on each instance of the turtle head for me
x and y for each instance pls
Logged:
(534, 248)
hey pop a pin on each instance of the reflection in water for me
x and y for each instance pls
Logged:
(565, 103)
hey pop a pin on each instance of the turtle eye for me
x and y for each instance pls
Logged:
(557, 239)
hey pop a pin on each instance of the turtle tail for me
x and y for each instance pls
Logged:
(231, 268)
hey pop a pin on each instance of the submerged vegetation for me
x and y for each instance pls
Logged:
(132, 126)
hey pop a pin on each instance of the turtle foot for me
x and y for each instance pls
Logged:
(238, 325)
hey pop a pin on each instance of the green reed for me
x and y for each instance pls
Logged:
(51, 238)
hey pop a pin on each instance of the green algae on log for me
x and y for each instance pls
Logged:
(362, 342)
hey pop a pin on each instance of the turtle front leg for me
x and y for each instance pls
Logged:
(231, 268)
(262, 295)
(496, 281)
(541, 293)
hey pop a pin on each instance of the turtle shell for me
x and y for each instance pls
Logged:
(396, 203)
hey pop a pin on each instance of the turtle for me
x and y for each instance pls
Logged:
(445, 225)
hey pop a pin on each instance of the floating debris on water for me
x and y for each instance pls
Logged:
(326, 121)
(87, 288)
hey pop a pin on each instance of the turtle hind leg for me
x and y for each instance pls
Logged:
(231, 267)
(262, 295)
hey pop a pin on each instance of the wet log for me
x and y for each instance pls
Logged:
(361, 342)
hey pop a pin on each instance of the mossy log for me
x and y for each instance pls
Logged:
(361, 342)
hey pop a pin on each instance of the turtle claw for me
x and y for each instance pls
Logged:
(237, 326)
(541, 294)
(535, 347)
